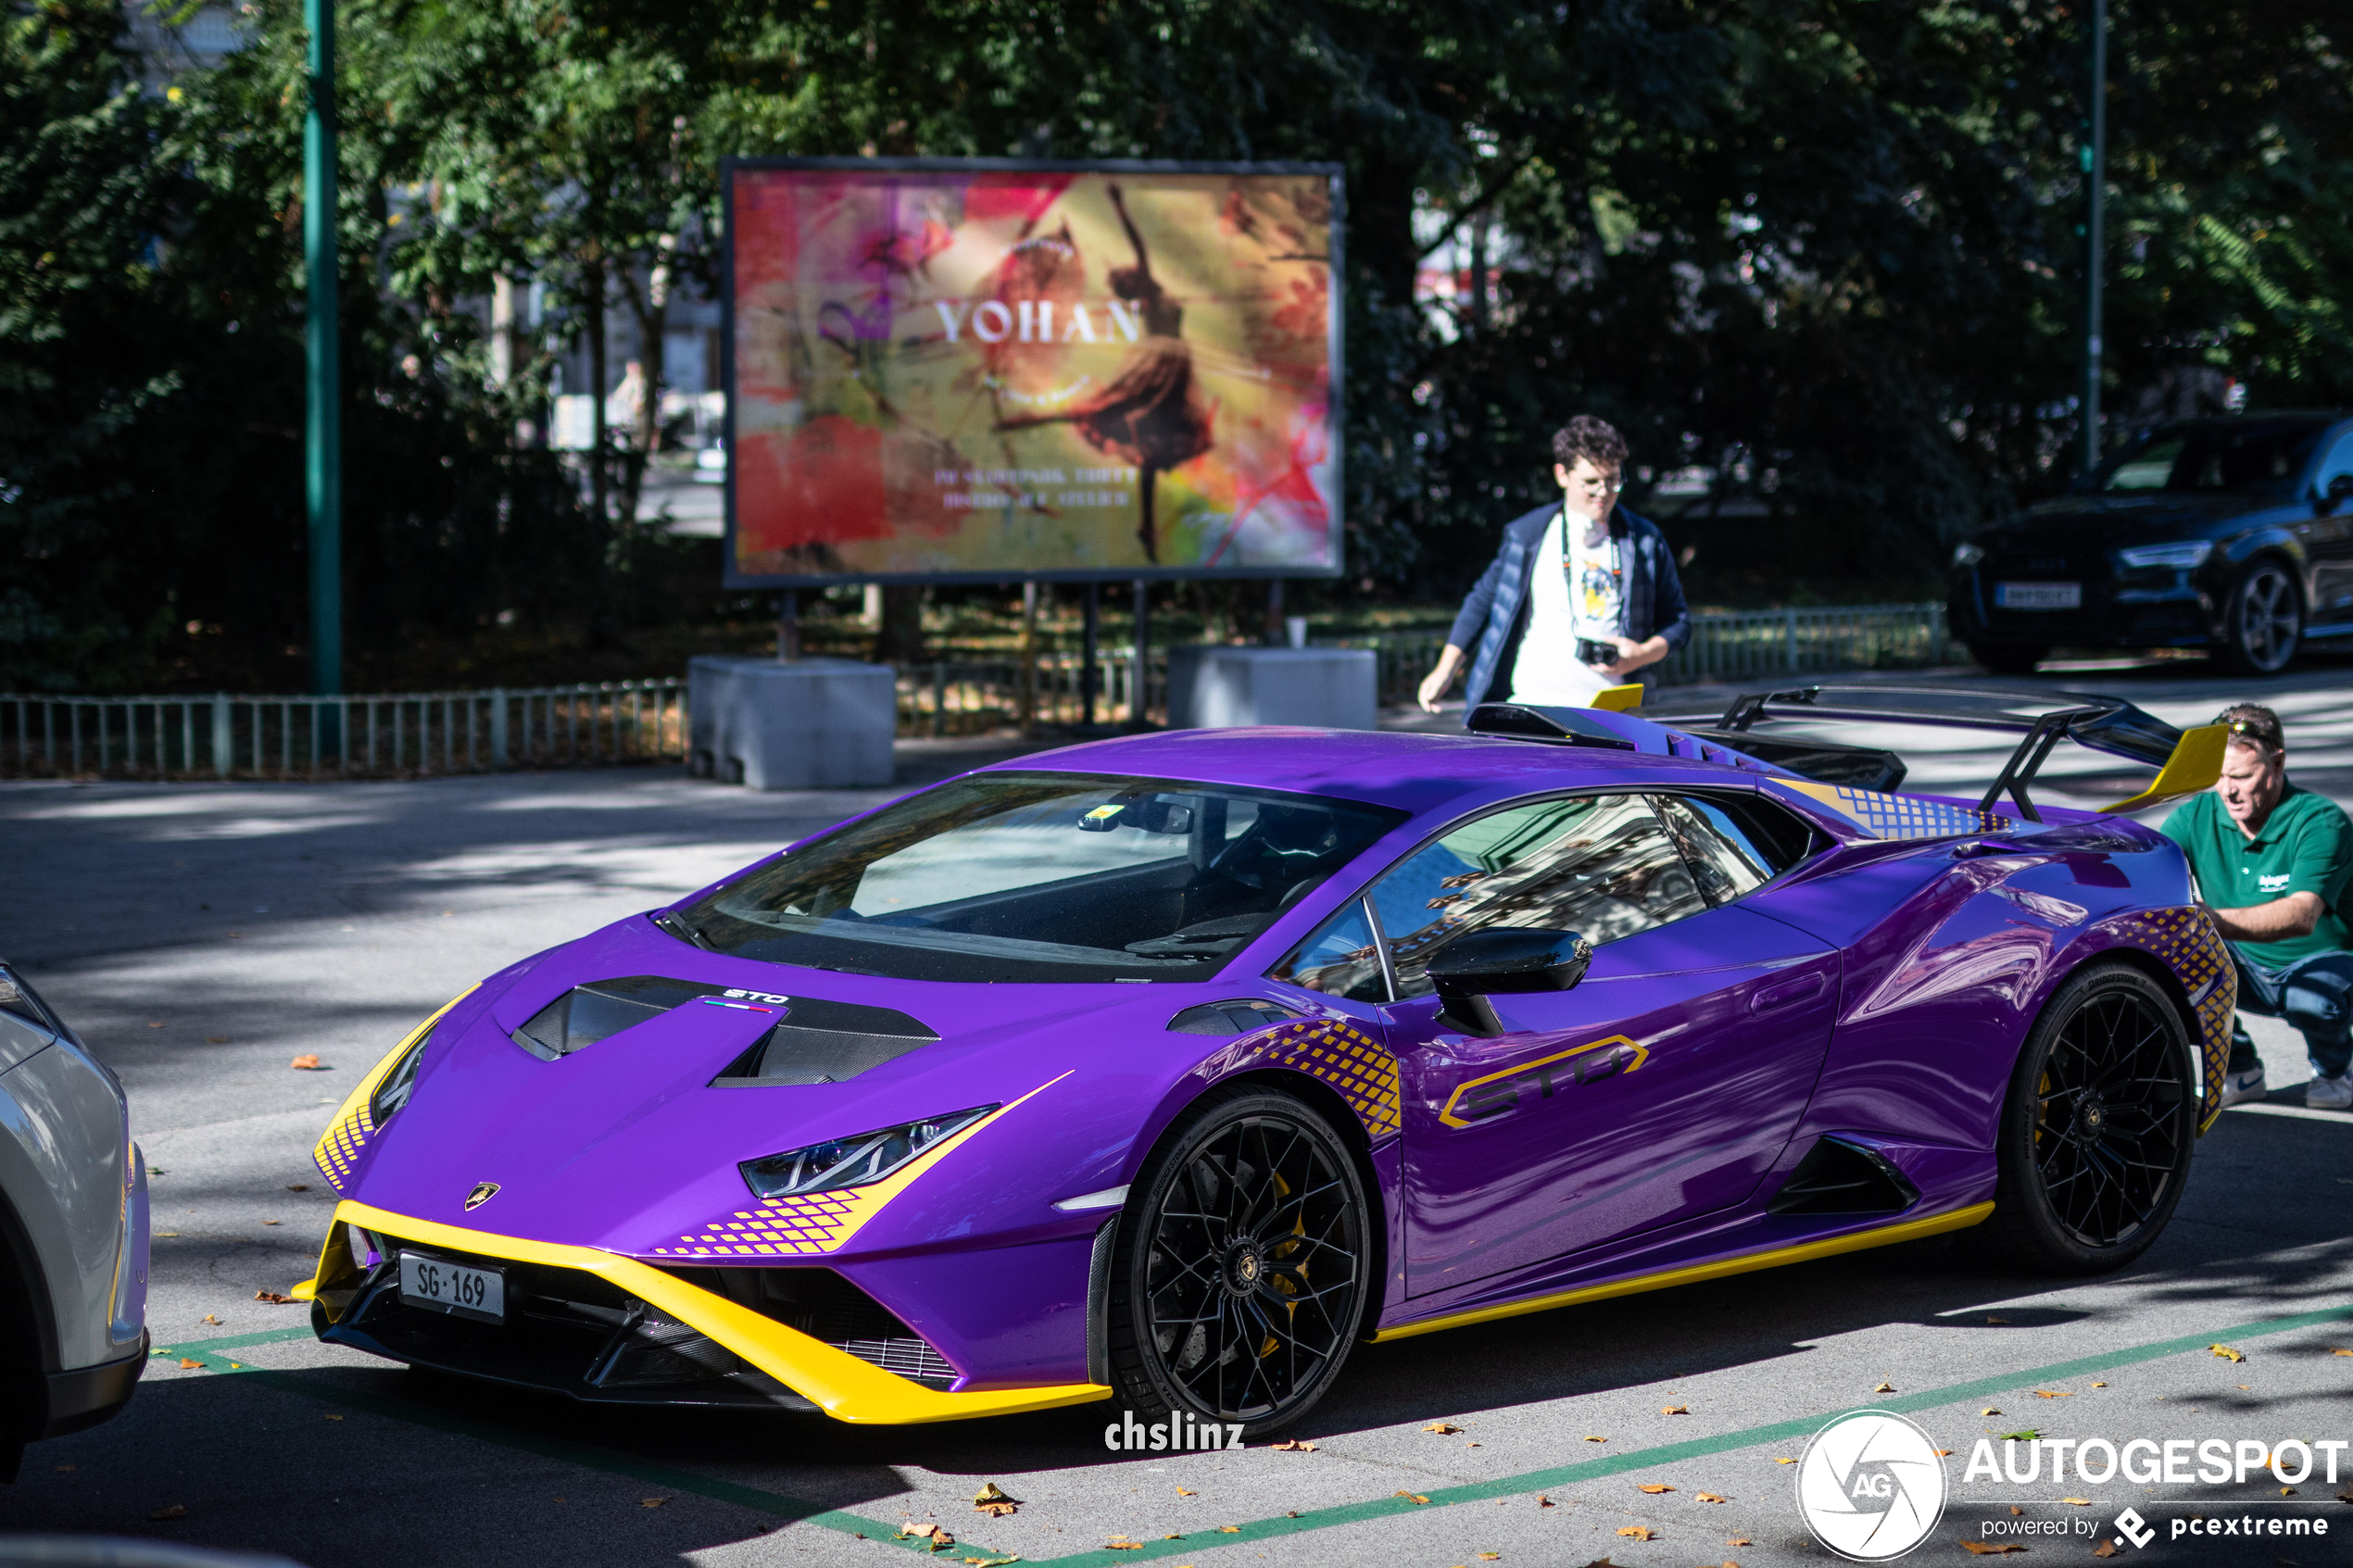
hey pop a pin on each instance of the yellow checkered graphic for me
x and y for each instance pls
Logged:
(1351, 1062)
(1899, 816)
(339, 1146)
(2189, 945)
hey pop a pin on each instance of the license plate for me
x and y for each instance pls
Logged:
(460, 1289)
(2039, 595)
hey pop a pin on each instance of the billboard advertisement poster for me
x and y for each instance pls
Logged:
(979, 372)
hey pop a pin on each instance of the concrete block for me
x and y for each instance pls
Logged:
(819, 723)
(1211, 687)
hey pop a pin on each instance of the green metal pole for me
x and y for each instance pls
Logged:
(2095, 233)
(322, 474)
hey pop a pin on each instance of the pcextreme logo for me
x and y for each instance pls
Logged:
(1870, 1486)
(1498, 1092)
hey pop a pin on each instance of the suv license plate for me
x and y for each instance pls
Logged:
(2039, 595)
(460, 1289)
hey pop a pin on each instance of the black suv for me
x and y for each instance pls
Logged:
(2234, 534)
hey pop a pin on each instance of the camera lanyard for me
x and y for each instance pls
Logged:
(1615, 564)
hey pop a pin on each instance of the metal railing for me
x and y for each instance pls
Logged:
(1740, 645)
(390, 735)
(416, 734)
(976, 697)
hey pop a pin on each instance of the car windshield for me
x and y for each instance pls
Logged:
(1041, 877)
(2256, 458)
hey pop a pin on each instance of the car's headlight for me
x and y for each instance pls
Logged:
(2180, 557)
(1966, 555)
(852, 1162)
(392, 1091)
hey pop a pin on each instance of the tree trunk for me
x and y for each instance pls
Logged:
(651, 309)
(594, 275)
(901, 638)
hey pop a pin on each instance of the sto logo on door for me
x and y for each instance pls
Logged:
(1514, 1087)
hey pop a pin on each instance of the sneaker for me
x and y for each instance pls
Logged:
(2330, 1094)
(2244, 1085)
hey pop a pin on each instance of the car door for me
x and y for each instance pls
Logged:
(1661, 1086)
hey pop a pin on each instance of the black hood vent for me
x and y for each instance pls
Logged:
(601, 1008)
(821, 1042)
(1838, 1177)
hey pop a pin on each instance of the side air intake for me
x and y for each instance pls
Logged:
(1838, 1177)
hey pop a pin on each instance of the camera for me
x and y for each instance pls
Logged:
(1590, 651)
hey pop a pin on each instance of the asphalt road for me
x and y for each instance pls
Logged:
(203, 937)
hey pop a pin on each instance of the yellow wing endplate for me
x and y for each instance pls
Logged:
(1619, 699)
(2196, 764)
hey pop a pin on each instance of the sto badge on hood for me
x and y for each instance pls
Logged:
(483, 1192)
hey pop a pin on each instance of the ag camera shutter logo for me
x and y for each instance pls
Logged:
(1871, 1486)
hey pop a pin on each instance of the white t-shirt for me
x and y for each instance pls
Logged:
(1548, 671)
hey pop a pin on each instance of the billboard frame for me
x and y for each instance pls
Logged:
(1334, 173)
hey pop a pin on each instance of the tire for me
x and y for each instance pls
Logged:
(2093, 1146)
(2262, 620)
(2004, 658)
(1246, 1228)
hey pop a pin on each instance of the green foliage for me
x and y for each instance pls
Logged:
(1827, 248)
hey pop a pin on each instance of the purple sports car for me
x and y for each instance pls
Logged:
(1163, 1069)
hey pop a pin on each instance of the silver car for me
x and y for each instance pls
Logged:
(73, 1231)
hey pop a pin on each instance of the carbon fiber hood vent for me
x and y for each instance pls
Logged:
(815, 1042)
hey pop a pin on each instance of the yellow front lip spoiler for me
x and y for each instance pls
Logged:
(837, 1383)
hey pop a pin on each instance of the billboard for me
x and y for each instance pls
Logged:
(981, 371)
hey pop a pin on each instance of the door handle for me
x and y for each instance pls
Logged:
(1788, 991)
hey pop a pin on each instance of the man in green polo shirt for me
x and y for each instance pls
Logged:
(2274, 868)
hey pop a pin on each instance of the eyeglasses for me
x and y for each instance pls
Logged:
(1599, 486)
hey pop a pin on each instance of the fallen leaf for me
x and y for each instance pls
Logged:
(1443, 1428)
(1122, 1546)
(1639, 1532)
(1654, 1488)
(210, 1318)
(998, 1561)
(2016, 1511)
(1944, 1453)
(2246, 1387)
(1884, 1388)
(339, 1417)
(273, 1221)
(1710, 1497)
(2288, 1492)
(2339, 1351)
(1675, 1410)
(991, 1500)
(2345, 1497)
(651, 1502)
(1544, 1501)
(1597, 1439)
(934, 1537)
(1293, 1445)
(2078, 1502)
(2054, 1393)
(273, 1298)
(1418, 1499)
(2029, 1435)
(164, 1233)
(1983, 1549)
(1989, 1410)
(1779, 1461)
(1997, 1320)
(1740, 1540)
(2099, 1385)
(177, 1510)
(191, 1363)
(2227, 1353)
(1182, 1493)
(1488, 1556)
(2106, 1548)
(1474, 1445)
(1230, 1529)
(305, 1063)
(299, 1186)
(1172, 1537)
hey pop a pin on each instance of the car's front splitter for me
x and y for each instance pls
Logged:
(841, 1384)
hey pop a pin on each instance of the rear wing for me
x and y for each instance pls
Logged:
(2187, 761)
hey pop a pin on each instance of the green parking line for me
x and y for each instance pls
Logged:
(796, 1511)
(198, 1346)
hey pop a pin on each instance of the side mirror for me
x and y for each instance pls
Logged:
(2340, 491)
(1503, 960)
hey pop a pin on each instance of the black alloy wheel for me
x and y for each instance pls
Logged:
(2096, 1134)
(1241, 1265)
(2262, 620)
(2007, 659)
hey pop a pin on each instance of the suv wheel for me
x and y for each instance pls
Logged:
(2262, 620)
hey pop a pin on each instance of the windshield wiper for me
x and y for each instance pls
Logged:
(678, 925)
